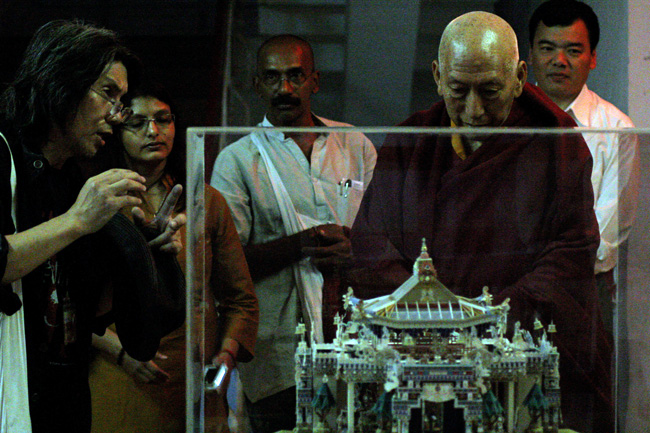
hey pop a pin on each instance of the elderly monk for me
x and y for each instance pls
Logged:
(512, 212)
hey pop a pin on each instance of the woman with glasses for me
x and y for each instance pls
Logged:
(133, 396)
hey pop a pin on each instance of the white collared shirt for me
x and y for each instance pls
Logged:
(615, 172)
(328, 188)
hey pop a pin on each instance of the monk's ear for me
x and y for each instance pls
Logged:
(522, 75)
(435, 68)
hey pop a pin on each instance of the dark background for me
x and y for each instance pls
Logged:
(374, 55)
(183, 42)
(179, 41)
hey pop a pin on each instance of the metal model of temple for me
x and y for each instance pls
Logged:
(425, 360)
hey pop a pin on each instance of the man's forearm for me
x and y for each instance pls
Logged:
(30, 248)
(271, 257)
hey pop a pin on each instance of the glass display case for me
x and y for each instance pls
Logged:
(508, 223)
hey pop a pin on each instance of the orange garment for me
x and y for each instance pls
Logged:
(120, 404)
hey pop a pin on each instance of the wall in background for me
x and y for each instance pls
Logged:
(182, 43)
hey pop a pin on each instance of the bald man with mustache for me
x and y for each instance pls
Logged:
(293, 197)
(511, 212)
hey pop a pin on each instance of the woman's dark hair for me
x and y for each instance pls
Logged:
(176, 160)
(62, 61)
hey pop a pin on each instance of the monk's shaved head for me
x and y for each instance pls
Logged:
(477, 35)
(478, 71)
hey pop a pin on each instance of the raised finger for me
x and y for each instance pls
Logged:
(178, 221)
(167, 242)
(170, 232)
(167, 207)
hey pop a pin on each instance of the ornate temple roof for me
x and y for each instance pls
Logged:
(423, 301)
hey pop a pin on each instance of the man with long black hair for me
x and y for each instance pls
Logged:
(60, 107)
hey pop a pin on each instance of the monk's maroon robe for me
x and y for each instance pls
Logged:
(516, 215)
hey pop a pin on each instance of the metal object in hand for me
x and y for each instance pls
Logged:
(214, 376)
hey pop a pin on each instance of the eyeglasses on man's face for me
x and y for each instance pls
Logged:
(118, 110)
(296, 77)
(137, 123)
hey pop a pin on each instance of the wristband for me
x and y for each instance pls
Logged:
(232, 355)
(120, 357)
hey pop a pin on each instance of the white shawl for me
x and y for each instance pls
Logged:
(309, 280)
